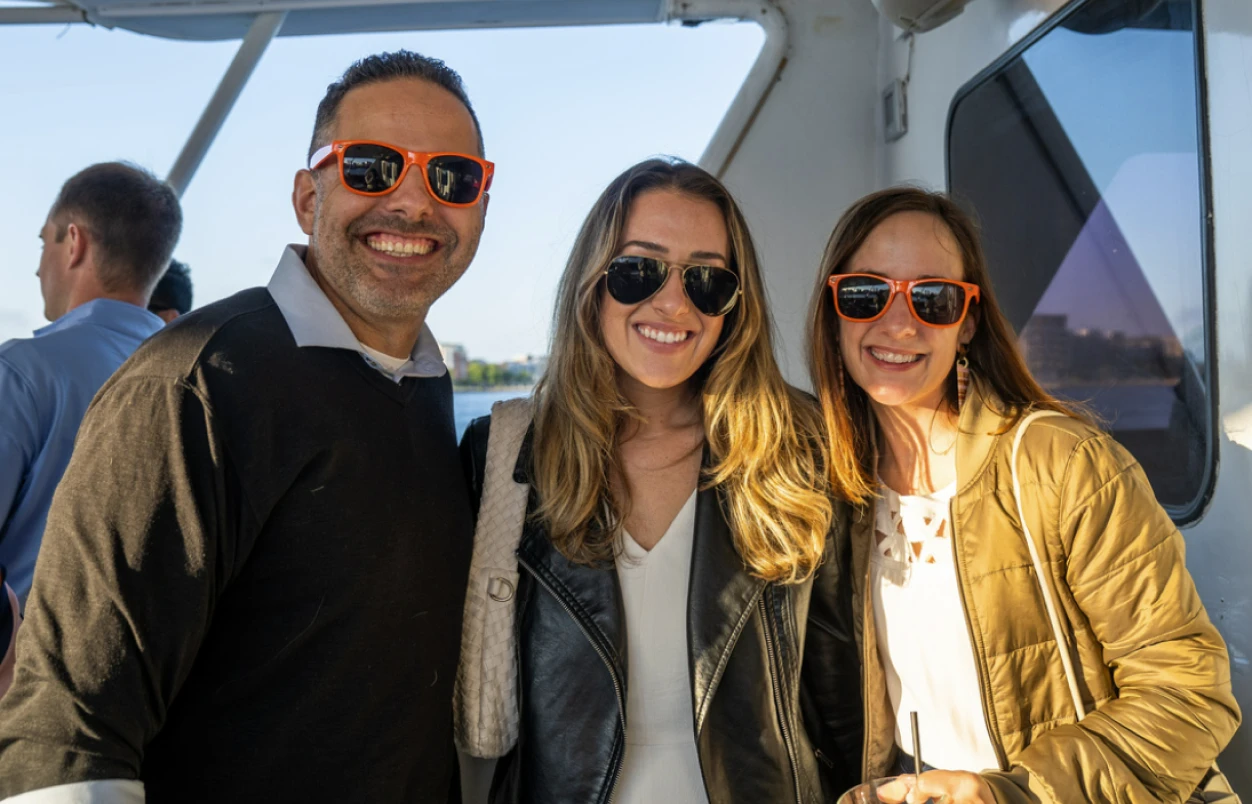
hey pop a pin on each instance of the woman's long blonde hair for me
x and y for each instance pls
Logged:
(764, 438)
(993, 354)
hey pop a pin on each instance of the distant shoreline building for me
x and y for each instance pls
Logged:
(529, 365)
(1047, 345)
(1059, 356)
(456, 359)
(517, 371)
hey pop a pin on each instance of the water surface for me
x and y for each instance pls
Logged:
(469, 405)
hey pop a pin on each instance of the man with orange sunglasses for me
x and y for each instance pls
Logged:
(253, 575)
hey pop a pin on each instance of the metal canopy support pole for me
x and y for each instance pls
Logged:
(765, 72)
(264, 29)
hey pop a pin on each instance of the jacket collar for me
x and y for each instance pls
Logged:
(719, 602)
(314, 321)
(119, 316)
(980, 428)
(720, 597)
(591, 595)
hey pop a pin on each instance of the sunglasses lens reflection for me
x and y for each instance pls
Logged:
(862, 297)
(631, 280)
(455, 179)
(375, 169)
(939, 303)
(712, 290)
(371, 168)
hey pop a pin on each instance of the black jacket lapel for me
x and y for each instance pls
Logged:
(720, 600)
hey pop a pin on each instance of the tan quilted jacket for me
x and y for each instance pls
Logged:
(1153, 667)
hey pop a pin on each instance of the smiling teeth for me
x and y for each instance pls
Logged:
(892, 357)
(401, 247)
(662, 337)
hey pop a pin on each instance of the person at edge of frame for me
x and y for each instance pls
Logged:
(106, 241)
(682, 609)
(254, 570)
(926, 395)
(173, 294)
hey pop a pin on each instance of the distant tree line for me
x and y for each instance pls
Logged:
(481, 374)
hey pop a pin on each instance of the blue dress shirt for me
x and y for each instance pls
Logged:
(46, 384)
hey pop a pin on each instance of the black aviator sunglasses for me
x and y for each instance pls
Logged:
(713, 290)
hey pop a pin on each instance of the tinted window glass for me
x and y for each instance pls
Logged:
(1081, 158)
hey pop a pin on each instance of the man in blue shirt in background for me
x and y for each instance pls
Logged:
(106, 243)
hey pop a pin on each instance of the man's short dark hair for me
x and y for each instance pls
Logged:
(133, 218)
(173, 292)
(387, 67)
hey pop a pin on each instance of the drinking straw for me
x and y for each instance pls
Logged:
(917, 745)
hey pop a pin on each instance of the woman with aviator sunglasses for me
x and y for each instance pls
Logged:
(681, 620)
(1012, 568)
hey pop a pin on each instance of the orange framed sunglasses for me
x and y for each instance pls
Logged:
(371, 168)
(939, 303)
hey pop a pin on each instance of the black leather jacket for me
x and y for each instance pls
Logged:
(774, 670)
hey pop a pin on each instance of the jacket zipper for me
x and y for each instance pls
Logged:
(867, 611)
(983, 682)
(617, 685)
(778, 698)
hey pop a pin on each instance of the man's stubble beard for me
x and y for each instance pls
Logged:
(350, 269)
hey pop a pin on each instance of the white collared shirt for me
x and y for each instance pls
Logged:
(314, 321)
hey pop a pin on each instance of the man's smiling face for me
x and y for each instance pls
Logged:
(387, 258)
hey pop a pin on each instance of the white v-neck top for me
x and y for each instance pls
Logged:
(661, 763)
(923, 638)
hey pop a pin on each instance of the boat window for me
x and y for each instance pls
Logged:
(1080, 155)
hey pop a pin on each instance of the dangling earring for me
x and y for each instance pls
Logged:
(962, 376)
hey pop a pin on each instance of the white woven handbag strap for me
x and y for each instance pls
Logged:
(485, 698)
(503, 506)
(1053, 617)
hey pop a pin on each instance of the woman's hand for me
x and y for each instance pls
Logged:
(944, 787)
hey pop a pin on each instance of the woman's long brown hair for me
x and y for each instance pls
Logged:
(993, 354)
(764, 438)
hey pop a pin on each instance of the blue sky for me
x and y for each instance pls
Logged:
(563, 111)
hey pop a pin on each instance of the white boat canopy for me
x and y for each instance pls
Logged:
(203, 20)
(257, 22)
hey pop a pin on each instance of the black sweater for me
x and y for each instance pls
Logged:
(251, 584)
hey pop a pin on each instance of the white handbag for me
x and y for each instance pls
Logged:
(1214, 787)
(485, 697)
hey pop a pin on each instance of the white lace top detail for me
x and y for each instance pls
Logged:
(914, 528)
(923, 639)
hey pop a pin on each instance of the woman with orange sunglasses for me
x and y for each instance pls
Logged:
(1012, 570)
